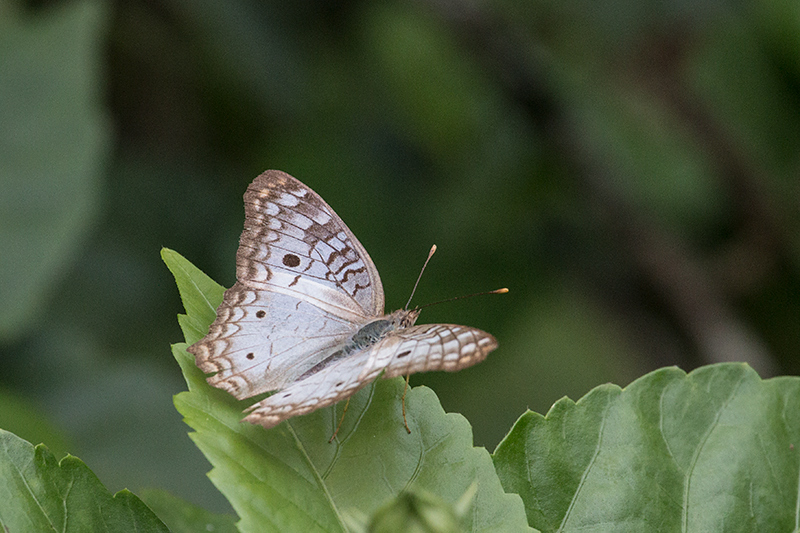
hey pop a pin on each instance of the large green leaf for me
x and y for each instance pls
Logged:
(290, 478)
(38, 493)
(714, 450)
(54, 140)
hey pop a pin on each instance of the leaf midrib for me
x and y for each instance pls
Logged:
(696, 456)
(317, 476)
(588, 468)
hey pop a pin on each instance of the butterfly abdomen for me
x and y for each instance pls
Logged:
(369, 335)
(363, 338)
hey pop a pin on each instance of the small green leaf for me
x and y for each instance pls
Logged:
(200, 295)
(717, 449)
(290, 478)
(38, 493)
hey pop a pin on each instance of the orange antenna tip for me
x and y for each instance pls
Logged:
(430, 254)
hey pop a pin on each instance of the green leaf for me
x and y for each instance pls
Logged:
(200, 295)
(183, 517)
(714, 450)
(290, 478)
(54, 141)
(38, 493)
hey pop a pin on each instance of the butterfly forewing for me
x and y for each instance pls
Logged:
(294, 243)
(263, 341)
(305, 317)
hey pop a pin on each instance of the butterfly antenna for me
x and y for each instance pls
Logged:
(430, 254)
(496, 291)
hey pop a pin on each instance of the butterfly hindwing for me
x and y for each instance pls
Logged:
(326, 387)
(428, 347)
(415, 349)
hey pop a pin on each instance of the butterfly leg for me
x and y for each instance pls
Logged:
(346, 405)
(403, 401)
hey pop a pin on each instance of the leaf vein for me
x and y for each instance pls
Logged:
(696, 456)
(588, 468)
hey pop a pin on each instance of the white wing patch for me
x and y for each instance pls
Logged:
(263, 341)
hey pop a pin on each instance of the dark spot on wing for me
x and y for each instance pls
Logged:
(261, 314)
(403, 354)
(291, 260)
(251, 356)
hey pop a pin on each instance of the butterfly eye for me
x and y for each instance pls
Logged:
(291, 260)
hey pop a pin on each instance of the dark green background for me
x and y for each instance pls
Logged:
(628, 169)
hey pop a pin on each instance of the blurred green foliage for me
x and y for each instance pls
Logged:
(628, 169)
